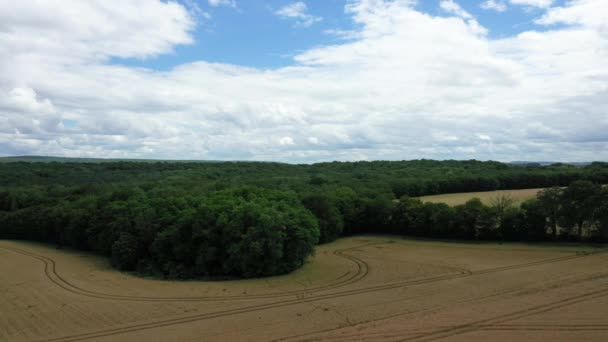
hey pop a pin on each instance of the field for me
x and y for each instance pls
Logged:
(485, 196)
(360, 288)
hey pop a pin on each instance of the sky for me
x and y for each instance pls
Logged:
(305, 81)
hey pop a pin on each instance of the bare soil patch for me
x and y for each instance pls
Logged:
(360, 288)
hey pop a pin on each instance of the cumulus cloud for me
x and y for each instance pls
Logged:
(589, 13)
(286, 141)
(24, 100)
(496, 5)
(72, 30)
(406, 85)
(298, 11)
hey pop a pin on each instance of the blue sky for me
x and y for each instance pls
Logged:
(305, 81)
(251, 34)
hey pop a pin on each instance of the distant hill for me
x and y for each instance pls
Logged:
(545, 163)
(46, 159)
(49, 159)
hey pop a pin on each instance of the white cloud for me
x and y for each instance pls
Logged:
(533, 3)
(313, 140)
(216, 3)
(590, 13)
(496, 5)
(196, 10)
(71, 29)
(299, 12)
(286, 141)
(25, 100)
(452, 7)
(406, 85)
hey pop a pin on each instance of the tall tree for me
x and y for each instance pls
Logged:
(550, 202)
(328, 215)
(579, 203)
(601, 215)
(534, 220)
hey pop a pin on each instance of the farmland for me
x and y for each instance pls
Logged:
(366, 287)
(129, 251)
(485, 196)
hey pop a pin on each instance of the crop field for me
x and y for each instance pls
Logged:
(360, 288)
(486, 197)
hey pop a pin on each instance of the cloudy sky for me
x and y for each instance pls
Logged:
(305, 81)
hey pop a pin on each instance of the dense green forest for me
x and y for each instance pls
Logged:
(247, 219)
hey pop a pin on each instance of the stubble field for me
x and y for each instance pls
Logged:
(486, 197)
(360, 288)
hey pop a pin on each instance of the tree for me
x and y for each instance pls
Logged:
(467, 218)
(125, 252)
(534, 220)
(512, 226)
(405, 215)
(579, 201)
(239, 232)
(375, 214)
(348, 203)
(331, 223)
(550, 202)
(440, 220)
(500, 205)
(601, 215)
(488, 223)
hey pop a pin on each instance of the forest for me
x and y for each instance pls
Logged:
(217, 220)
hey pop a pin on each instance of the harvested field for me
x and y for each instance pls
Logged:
(485, 196)
(360, 288)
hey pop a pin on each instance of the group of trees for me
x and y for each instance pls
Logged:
(574, 213)
(186, 220)
(394, 178)
(240, 232)
(569, 211)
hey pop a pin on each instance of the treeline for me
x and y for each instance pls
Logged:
(575, 213)
(394, 178)
(187, 220)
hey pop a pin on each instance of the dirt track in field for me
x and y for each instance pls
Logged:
(361, 288)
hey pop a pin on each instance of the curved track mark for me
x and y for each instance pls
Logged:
(362, 269)
(312, 298)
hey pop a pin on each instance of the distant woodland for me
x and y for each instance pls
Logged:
(216, 220)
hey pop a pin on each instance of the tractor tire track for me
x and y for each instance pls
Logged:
(312, 298)
(404, 332)
(533, 327)
(489, 322)
(406, 313)
(362, 270)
